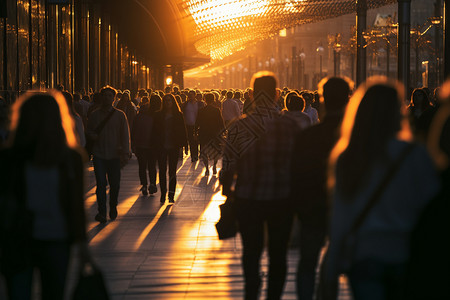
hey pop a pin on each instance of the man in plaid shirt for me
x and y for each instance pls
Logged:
(257, 155)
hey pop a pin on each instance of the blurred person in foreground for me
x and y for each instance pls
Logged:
(42, 197)
(374, 135)
(260, 169)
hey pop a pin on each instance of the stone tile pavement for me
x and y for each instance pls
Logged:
(170, 251)
(155, 251)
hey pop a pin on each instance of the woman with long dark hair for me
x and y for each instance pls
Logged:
(42, 198)
(143, 144)
(375, 162)
(170, 131)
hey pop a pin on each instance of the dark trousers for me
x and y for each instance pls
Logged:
(311, 242)
(147, 163)
(107, 171)
(252, 216)
(168, 157)
(193, 144)
(51, 259)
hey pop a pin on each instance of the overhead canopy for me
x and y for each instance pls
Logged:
(192, 31)
(225, 27)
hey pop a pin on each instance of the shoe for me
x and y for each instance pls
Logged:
(100, 218)
(144, 190)
(163, 199)
(113, 213)
(207, 173)
(171, 197)
(152, 189)
(214, 170)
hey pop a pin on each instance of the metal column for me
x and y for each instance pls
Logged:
(404, 26)
(361, 24)
(446, 39)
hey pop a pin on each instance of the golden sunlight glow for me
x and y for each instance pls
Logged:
(224, 27)
(149, 227)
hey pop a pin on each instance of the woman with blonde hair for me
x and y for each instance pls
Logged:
(41, 196)
(381, 182)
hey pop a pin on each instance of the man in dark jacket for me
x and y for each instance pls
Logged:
(209, 126)
(309, 179)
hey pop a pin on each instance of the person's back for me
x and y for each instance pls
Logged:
(230, 108)
(257, 154)
(365, 154)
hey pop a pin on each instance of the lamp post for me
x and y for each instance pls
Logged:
(336, 54)
(302, 69)
(320, 50)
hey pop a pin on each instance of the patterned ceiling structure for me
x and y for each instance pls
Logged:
(224, 27)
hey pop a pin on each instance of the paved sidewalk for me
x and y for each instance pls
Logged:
(155, 251)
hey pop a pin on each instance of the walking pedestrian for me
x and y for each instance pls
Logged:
(143, 143)
(260, 173)
(110, 151)
(170, 137)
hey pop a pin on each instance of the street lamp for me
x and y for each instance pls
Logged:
(336, 54)
(320, 50)
(301, 62)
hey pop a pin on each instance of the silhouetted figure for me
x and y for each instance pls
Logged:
(427, 275)
(42, 197)
(77, 119)
(190, 112)
(294, 109)
(230, 108)
(309, 180)
(170, 136)
(208, 126)
(262, 188)
(143, 143)
(4, 121)
(374, 136)
(111, 149)
(309, 110)
(128, 107)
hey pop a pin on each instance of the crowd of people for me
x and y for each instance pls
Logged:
(352, 166)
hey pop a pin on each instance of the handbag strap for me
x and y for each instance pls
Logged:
(103, 123)
(380, 188)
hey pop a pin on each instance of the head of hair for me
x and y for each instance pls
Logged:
(168, 89)
(230, 94)
(335, 92)
(264, 84)
(108, 94)
(209, 98)
(69, 101)
(419, 99)
(295, 103)
(154, 103)
(374, 115)
(42, 128)
(175, 109)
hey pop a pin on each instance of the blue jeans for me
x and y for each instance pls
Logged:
(107, 171)
(372, 279)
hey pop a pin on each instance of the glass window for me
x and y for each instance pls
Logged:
(23, 48)
(11, 49)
